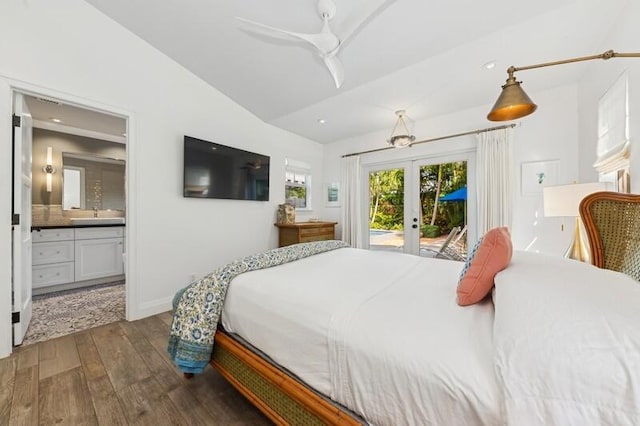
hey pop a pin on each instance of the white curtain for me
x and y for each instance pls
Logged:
(494, 165)
(351, 209)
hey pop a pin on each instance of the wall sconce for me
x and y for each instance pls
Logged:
(49, 169)
(514, 103)
(402, 138)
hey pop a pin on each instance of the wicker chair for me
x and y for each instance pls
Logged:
(612, 222)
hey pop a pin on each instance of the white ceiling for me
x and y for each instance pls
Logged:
(425, 57)
(71, 119)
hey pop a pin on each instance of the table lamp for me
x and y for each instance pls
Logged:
(564, 201)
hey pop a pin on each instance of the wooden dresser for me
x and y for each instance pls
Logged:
(303, 232)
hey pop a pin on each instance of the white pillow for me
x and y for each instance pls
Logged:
(567, 343)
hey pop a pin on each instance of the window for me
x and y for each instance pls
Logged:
(613, 135)
(297, 184)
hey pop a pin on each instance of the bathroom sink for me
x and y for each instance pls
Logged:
(97, 220)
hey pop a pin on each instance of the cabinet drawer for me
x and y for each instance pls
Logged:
(62, 234)
(55, 252)
(304, 232)
(93, 233)
(310, 238)
(46, 275)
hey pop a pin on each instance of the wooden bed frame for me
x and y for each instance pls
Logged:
(282, 398)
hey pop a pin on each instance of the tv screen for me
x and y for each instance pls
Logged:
(212, 170)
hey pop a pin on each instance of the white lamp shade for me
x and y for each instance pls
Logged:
(564, 200)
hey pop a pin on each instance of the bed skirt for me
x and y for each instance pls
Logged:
(281, 397)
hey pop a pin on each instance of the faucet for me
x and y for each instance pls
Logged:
(95, 211)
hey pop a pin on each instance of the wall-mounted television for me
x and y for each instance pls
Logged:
(212, 170)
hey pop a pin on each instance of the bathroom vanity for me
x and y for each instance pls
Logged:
(65, 257)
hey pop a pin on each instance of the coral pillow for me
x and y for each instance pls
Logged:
(489, 256)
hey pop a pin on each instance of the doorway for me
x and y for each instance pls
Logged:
(422, 206)
(74, 253)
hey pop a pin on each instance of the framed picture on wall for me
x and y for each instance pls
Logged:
(535, 175)
(332, 194)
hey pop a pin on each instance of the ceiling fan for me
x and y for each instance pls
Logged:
(326, 42)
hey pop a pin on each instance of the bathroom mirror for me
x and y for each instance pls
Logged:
(91, 181)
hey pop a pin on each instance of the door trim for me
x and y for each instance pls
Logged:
(8, 88)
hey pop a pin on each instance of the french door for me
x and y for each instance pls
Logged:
(414, 206)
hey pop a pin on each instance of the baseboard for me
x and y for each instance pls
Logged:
(78, 284)
(153, 307)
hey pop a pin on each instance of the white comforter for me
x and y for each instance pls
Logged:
(380, 333)
(567, 339)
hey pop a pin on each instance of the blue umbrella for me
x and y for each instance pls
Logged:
(457, 195)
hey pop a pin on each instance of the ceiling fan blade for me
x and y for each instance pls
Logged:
(336, 69)
(317, 40)
(357, 21)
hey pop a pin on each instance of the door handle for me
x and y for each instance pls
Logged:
(414, 226)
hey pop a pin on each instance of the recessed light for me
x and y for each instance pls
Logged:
(489, 65)
(321, 120)
(55, 120)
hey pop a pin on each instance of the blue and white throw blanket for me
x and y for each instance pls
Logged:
(197, 307)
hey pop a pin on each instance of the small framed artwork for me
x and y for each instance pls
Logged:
(332, 194)
(538, 174)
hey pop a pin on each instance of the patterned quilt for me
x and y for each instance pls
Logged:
(197, 308)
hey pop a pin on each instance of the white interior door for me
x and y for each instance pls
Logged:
(21, 282)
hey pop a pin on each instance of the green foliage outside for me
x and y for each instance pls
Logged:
(386, 198)
(296, 195)
(430, 231)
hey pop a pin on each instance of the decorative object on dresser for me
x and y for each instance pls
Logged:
(286, 213)
(304, 232)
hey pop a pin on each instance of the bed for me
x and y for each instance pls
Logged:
(349, 336)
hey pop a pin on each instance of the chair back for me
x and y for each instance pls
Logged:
(612, 222)
(459, 236)
(450, 237)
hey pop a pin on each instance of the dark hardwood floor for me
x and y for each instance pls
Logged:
(116, 374)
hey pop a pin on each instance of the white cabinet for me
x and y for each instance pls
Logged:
(65, 256)
(97, 258)
(52, 257)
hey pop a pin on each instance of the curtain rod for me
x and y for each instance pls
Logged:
(471, 132)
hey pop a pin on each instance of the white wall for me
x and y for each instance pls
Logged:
(599, 77)
(551, 133)
(69, 47)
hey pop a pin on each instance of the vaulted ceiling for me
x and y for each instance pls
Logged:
(422, 56)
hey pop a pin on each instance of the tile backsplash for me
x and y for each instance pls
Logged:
(53, 215)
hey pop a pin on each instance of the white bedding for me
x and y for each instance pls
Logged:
(567, 338)
(379, 332)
